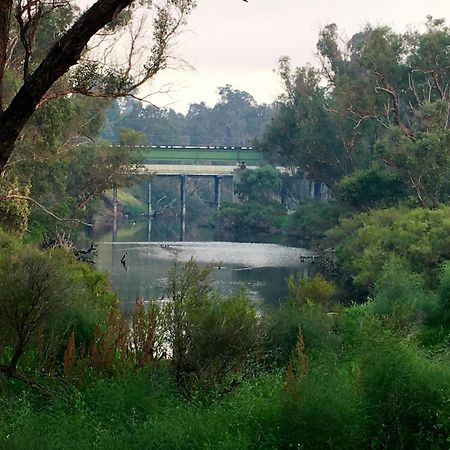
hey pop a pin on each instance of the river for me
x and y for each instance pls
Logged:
(259, 269)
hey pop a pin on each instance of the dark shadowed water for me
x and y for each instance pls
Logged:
(259, 269)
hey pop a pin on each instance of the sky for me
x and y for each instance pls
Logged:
(239, 43)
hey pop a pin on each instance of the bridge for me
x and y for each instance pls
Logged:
(184, 161)
(201, 161)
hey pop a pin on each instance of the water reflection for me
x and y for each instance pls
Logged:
(141, 268)
(259, 269)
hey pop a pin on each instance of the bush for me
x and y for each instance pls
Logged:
(43, 295)
(311, 220)
(364, 242)
(316, 290)
(321, 410)
(406, 395)
(317, 327)
(400, 298)
(207, 335)
(249, 217)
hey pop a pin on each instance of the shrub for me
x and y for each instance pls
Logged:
(399, 297)
(406, 395)
(316, 290)
(43, 296)
(364, 242)
(311, 220)
(207, 335)
(321, 410)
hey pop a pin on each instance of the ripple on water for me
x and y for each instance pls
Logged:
(260, 269)
(245, 255)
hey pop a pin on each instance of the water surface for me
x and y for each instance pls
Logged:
(258, 269)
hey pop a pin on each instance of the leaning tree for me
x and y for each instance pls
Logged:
(81, 59)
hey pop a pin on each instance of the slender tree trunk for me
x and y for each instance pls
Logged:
(63, 55)
(18, 352)
(5, 23)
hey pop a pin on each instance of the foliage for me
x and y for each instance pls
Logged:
(441, 314)
(43, 295)
(312, 219)
(67, 64)
(207, 335)
(374, 116)
(405, 394)
(301, 134)
(130, 205)
(259, 185)
(14, 212)
(316, 290)
(400, 299)
(366, 241)
(421, 162)
(236, 119)
(371, 188)
(189, 372)
(322, 410)
(248, 217)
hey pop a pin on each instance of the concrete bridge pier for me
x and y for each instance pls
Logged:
(182, 206)
(149, 211)
(217, 185)
(114, 201)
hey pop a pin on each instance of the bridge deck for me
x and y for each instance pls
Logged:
(188, 169)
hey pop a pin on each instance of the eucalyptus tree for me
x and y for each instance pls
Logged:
(379, 102)
(77, 60)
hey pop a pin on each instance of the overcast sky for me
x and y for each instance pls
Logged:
(230, 41)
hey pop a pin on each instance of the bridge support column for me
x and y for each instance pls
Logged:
(114, 201)
(217, 183)
(149, 211)
(182, 206)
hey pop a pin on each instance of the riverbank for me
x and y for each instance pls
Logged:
(202, 371)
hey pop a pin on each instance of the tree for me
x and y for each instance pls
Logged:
(371, 188)
(67, 51)
(236, 119)
(259, 185)
(381, 99)
(303, 134)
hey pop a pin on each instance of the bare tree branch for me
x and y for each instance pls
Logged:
(39, 205)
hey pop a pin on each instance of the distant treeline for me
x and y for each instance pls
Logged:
(237, 119)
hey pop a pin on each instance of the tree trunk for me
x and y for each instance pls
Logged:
(5, 24)
(64, 54)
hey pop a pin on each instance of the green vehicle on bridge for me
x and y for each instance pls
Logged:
(147, 154)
